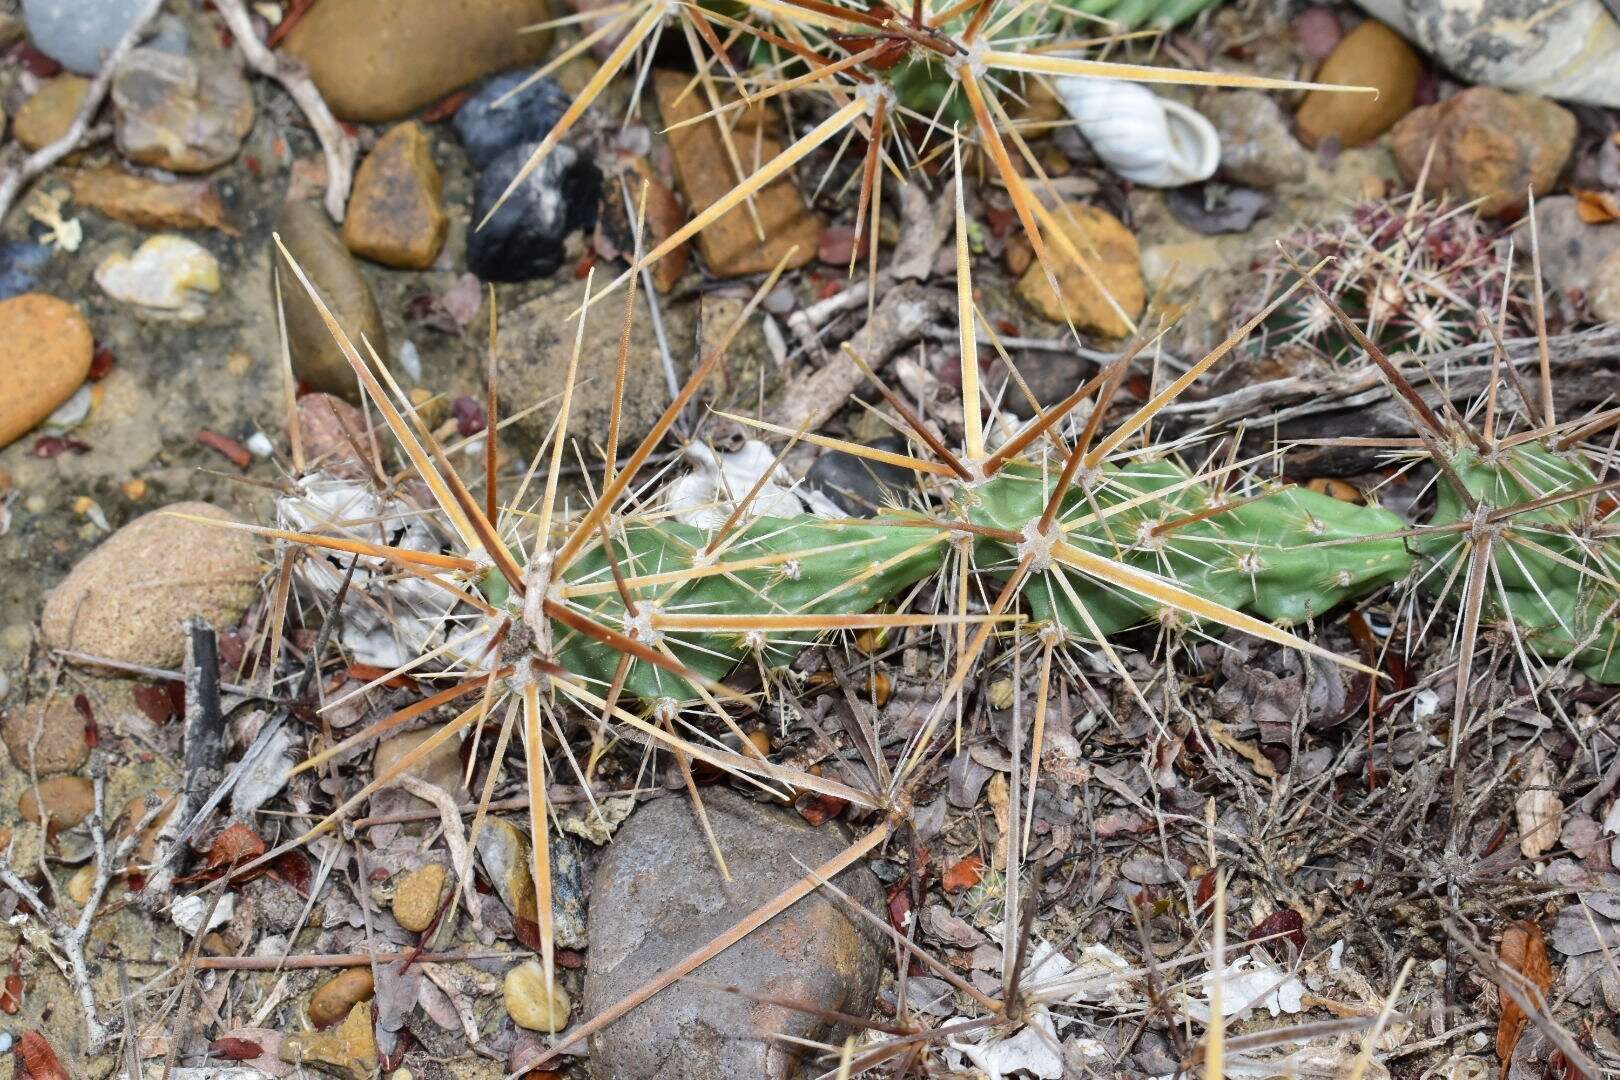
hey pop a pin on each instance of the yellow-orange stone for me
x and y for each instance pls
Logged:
(1370, 55)
(45, 350)
(395, 217)
(378, 60)
(730, 246)
(47, 115)
(1110, 251)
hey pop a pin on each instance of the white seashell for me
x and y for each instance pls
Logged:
(1143, 137)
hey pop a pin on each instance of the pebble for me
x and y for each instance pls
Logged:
(165, 279)
(1488, 145)
(730, 246)
(318, 249)
(860, 487)
(488, 130)
(81, 884)
(335, 998)
(441, 767)
(418, 895)
(1370, 55)
(127, 599)
(20, 264)
(49, 732)
(1579, 257)
(1214, 209)
(181, 113)
(503, 848)
(524, 240)
(656, 897)
(47, 115)
(147, 203)
(331, 429)
(67, 800)
(45, 352)
(349, 1050)
(532, 357)
(530, 1004)
(79, 33)
(395, 215)
(1257, 148)
(357, 50)
(1318, 31)
(1114, 256)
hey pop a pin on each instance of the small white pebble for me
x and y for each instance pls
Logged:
(188, 911)
(259, 444)
(411, 360)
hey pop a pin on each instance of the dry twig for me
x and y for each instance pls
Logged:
(46, 156)
(336, 144)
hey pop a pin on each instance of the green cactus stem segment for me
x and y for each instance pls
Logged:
(1278, 553)
(1552, 575)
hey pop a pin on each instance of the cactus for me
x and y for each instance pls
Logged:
(1416, 278)
(1550, 578)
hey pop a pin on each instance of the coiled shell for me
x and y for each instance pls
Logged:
(1141, 136)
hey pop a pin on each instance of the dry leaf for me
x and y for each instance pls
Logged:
(37, 1060)
(1538, 808)
(1248, 751)
(964, 874)
(1524, 949)
(1597, 207)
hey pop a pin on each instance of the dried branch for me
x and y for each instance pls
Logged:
(46, 156)
(340, 149)
(70, 938)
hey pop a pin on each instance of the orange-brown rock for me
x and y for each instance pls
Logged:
(45, 351)
(395, 216)
(150, 204)
(47, 735)
(377, 60)
(1488, 145)
(1111, 251)
(732, 246)
(1370, 55)
(64, 800)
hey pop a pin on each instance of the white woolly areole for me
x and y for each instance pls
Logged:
(1037, 545)
(972, 59)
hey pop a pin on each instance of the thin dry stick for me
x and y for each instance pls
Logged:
(336, 145)
(46, 156)
(71, 938)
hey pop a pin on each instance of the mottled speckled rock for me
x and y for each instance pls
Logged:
(1488, 145)
(380, 60)
(1562, 50)
(181, 113)
(129, 598)
(319, 251)
(656, 897)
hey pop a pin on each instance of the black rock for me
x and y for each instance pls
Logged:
(860, 487)
(524, 240)
(488, 130)
(20, 263)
